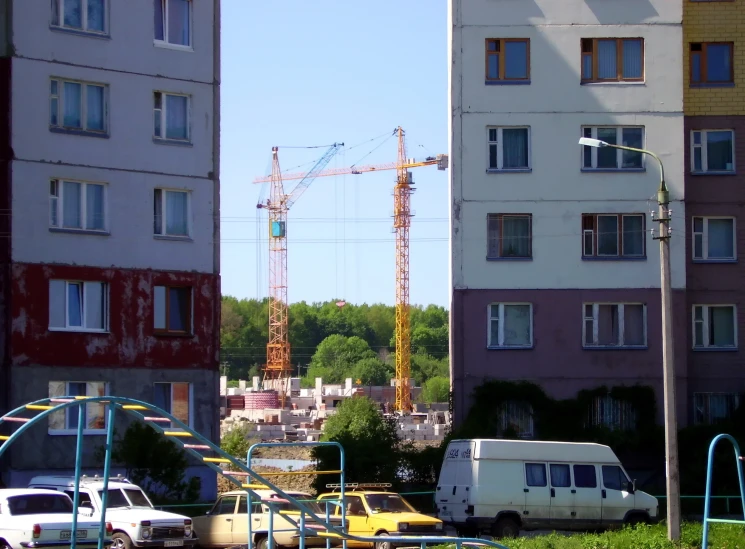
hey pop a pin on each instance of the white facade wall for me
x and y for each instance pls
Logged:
(128, 161)
(555, 106)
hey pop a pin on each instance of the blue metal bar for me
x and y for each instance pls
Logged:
(78, 464)
(249, 541)
(707, 501)
(302, 530)
(106, 473)
(270, 540)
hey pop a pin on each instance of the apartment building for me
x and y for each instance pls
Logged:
(555, 276)
(109, 195)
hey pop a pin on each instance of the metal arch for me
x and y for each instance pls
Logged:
(709, 467)
(48, 406)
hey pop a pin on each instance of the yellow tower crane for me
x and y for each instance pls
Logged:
(401, 223)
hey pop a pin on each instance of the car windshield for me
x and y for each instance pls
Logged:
(35, 504)
(117, 498)
(137, 497)
(387, 503)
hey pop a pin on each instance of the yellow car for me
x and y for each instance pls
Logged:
(372, 511)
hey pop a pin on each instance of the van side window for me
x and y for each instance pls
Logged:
(535, 474)
(560, 476)
(584, 476)
(614, 478)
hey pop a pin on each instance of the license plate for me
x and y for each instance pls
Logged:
(174, 543)
(67, 534)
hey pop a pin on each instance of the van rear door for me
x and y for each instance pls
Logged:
(454, 484)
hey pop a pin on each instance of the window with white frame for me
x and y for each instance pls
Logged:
(78, 306)
(172, 309)
(94, 414)
(516, 418)
(609, 158)
(713, 151)
(174, 398)
(171, 116)
(80, 15)
(173, 22)
(714, 326)
(613, 235)
(77, 106)
(509, 236)
(510, 325)
(171, 213)
(508, 148)
(714, 238)
(613, 414)
(77, 205)
(712, 408)
(614, 325)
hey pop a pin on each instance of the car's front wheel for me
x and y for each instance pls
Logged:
(4, 544)
(121, 541)
(383, 544)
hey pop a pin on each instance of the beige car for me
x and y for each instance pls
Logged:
(226, 524)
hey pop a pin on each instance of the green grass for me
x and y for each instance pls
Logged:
(721, 536)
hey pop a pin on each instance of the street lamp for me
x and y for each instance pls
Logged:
(668, 366)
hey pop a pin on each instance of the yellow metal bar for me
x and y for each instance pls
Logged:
(81, 397)
(3, 437)
(176, 434)
(38, 407)
(287, 473)
(254, 486)
(134, 407)
(216, 460)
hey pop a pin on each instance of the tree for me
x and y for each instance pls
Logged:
(236, 441)
(436, 389)
(370, 443)
(425, 366)
(336, 356)
(372, 371)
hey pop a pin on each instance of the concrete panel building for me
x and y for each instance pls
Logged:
(555, 276)
(109, 203)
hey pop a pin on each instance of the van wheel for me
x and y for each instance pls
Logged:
(506, 528)
(3, 544)
(637, 519)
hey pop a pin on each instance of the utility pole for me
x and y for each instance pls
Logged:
(672, 475)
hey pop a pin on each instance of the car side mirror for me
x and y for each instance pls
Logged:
(87, 511)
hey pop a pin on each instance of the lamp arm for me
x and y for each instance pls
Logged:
(663, 185)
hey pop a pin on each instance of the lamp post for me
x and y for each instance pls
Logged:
(668, 365)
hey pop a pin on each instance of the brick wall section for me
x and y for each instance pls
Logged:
(715, 195)
(722, 21)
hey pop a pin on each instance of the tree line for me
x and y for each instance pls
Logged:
(336, 340)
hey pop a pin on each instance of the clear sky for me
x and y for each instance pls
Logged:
(299, 73)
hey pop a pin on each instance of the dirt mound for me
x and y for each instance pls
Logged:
(302, 483)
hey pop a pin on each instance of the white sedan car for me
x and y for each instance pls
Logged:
(32, 518)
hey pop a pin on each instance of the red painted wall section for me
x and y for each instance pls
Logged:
(131, 341)
(6, 156)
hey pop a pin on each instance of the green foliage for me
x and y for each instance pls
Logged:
(155, 464)
(236, 441)
(721, 536)
(436, 389)
(370, 442)
(243, 336)
(372, 371)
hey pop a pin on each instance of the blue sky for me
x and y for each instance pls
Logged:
(300, 73)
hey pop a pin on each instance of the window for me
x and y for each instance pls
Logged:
(510, 325)
(171, 213)
(560, 475)
(711, 63)
(81, 15)
(711, 408)
(714, 326)
(77, 106)
(612, 59)
(77, 205)
(613, 414)
(509, 148)
(171, 116)
(609, 158)
(78, 306)
(509, 236)
(39, 504)
(507, 60)
(174, 398)
(173, 22)
(535, 474)
(173, 309)
(516, 419)
(615, 325)
(714, 238)
(94, 414)
(225, 506)
(614, 478)
(713, 151)
(614, 236)
(584, 476)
